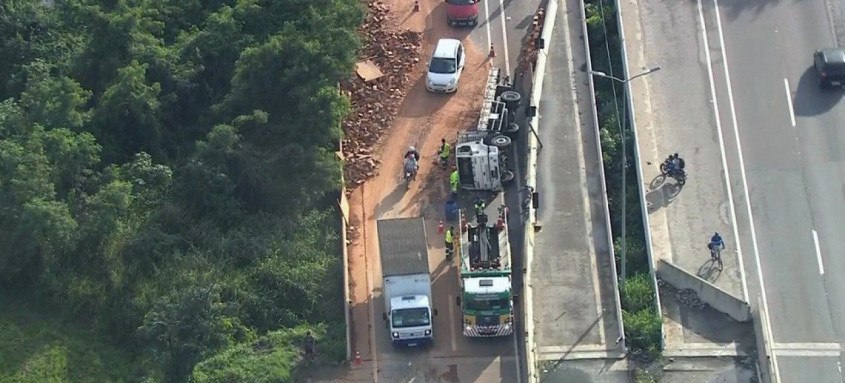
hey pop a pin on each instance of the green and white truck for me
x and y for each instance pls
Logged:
(486, 297)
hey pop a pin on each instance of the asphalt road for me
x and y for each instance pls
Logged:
(794, 175)
(572, 277)
(764, 147)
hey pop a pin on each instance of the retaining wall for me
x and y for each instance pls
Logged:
(708, 293)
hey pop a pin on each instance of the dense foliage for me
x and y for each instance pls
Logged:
(642, 324)
(168, 175)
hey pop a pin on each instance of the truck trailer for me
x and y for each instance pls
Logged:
(407, 281)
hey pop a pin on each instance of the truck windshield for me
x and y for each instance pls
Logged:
(461, 2)
(443, 65)
(488, 304)
(411, 318)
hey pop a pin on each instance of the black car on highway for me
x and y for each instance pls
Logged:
(830, 66)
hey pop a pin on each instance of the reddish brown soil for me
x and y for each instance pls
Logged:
(422, 120)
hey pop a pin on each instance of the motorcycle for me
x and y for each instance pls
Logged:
(409, 176)
(677, 173)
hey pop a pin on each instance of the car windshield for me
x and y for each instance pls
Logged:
(411, 318)
(461, 2)
(488, 304)
(442, 65)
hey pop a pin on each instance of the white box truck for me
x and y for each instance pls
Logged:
(407, 281)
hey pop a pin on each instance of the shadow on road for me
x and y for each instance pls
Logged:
(737, 7)
(661, 193)
(709, 271)
(388, 202)
(809, 100)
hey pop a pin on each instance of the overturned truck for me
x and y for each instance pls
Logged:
(480, 154)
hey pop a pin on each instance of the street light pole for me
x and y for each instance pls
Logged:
(621, 121)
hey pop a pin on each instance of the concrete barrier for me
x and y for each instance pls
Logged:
(708, 293)
(531, 180)
(630, 116)
(766, 362)
(597, 132)
(343, 204)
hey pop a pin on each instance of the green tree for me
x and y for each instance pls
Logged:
(127, 114)
(54, 100)
(34, 226)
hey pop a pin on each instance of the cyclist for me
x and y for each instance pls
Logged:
(716, 244)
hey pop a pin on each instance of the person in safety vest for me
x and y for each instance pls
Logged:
(445, 150)
(480, 205)
(453, 180)
(448, 239)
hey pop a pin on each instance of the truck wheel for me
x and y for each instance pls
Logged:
(511, 96)
(500, 141)
(512, 130)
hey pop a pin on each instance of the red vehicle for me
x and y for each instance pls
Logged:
(462, 12)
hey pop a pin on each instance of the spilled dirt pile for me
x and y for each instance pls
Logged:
(376, 102)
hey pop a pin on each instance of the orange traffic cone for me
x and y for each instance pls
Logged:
(416, 6)
(492, 51)
(440, 227)
(358, 358)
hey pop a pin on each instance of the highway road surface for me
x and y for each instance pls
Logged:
(750, 67)
(574, 299)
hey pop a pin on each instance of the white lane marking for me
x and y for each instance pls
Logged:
(818, 251)
(789, 102)
(744, 181)
(487, 23)
(505, 38)
(727, 176)
(807, 353)
(452, 323)
(807, 346)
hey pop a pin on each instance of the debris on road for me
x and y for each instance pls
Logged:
(684, 297)
(376, 99)
(527, 58)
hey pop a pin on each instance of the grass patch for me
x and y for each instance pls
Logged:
(38, 347)
(277, 357)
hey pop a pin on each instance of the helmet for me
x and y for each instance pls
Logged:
(676, 155)
(412, 149)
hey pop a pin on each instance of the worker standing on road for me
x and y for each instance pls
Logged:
(450, 246)
(480, 205)
(453, 180)
(445, 150)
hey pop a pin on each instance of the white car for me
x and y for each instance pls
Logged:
(445, 67)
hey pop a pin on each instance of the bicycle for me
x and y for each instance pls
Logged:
(716, 252)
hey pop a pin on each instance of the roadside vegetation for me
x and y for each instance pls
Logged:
(168, 188)
(639, 311)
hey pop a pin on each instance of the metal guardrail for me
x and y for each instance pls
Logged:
(643, 203)
(597, 131)
(533, 147)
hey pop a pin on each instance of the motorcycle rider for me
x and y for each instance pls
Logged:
(678, 161)
(411, 159)
(413, 151)
(675, 165)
